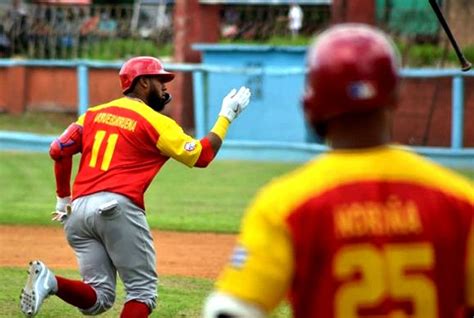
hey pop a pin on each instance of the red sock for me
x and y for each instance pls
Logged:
(135, 309)
(76, 293)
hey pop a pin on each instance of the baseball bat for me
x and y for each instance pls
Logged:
(465, 64)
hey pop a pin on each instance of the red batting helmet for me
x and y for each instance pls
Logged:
(139, 66)
(352, 68)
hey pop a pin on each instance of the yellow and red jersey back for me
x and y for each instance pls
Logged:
(368, 233)
(125, 143)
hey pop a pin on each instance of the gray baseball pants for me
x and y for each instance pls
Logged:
(110, 234)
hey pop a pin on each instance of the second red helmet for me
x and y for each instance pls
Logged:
(352, 68)
(139, 66)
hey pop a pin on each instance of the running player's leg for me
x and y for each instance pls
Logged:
(128, 239)
(96, 268)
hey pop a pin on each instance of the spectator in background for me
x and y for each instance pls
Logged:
(163, 19)
(67, 30)
(40, 33)
(17, 27)
(107, 26)
(89, 25)
(88, 32)
(16, 11)
(295, 19)
(5, 44)
(230, 26)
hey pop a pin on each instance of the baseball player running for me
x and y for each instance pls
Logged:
(366, 230)
(124, 143)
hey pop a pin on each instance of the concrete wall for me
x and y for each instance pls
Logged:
(424, 114)
(37, 88)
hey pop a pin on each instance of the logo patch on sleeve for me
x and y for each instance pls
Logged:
(190, 146)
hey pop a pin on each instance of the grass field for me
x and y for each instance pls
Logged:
(180, 198)
(37, 122)
(179, 297)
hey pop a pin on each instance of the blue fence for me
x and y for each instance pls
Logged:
(247, 148)
(274, 148)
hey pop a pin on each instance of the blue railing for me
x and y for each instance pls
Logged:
(455, 155)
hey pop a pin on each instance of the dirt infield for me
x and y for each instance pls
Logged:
(186, 254)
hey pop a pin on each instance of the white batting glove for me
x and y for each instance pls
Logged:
(63, 209)
(234, 103)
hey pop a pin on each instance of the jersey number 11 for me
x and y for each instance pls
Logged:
(109, 150)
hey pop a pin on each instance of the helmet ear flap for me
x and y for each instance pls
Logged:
(131, 88)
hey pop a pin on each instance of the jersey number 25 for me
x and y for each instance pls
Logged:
(394, 272)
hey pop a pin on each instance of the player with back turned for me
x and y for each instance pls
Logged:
(368, 229)
(124, 143)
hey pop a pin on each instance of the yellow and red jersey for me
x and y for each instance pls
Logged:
(369, 233)
(124, 145)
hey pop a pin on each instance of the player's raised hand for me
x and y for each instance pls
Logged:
(235, 102)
